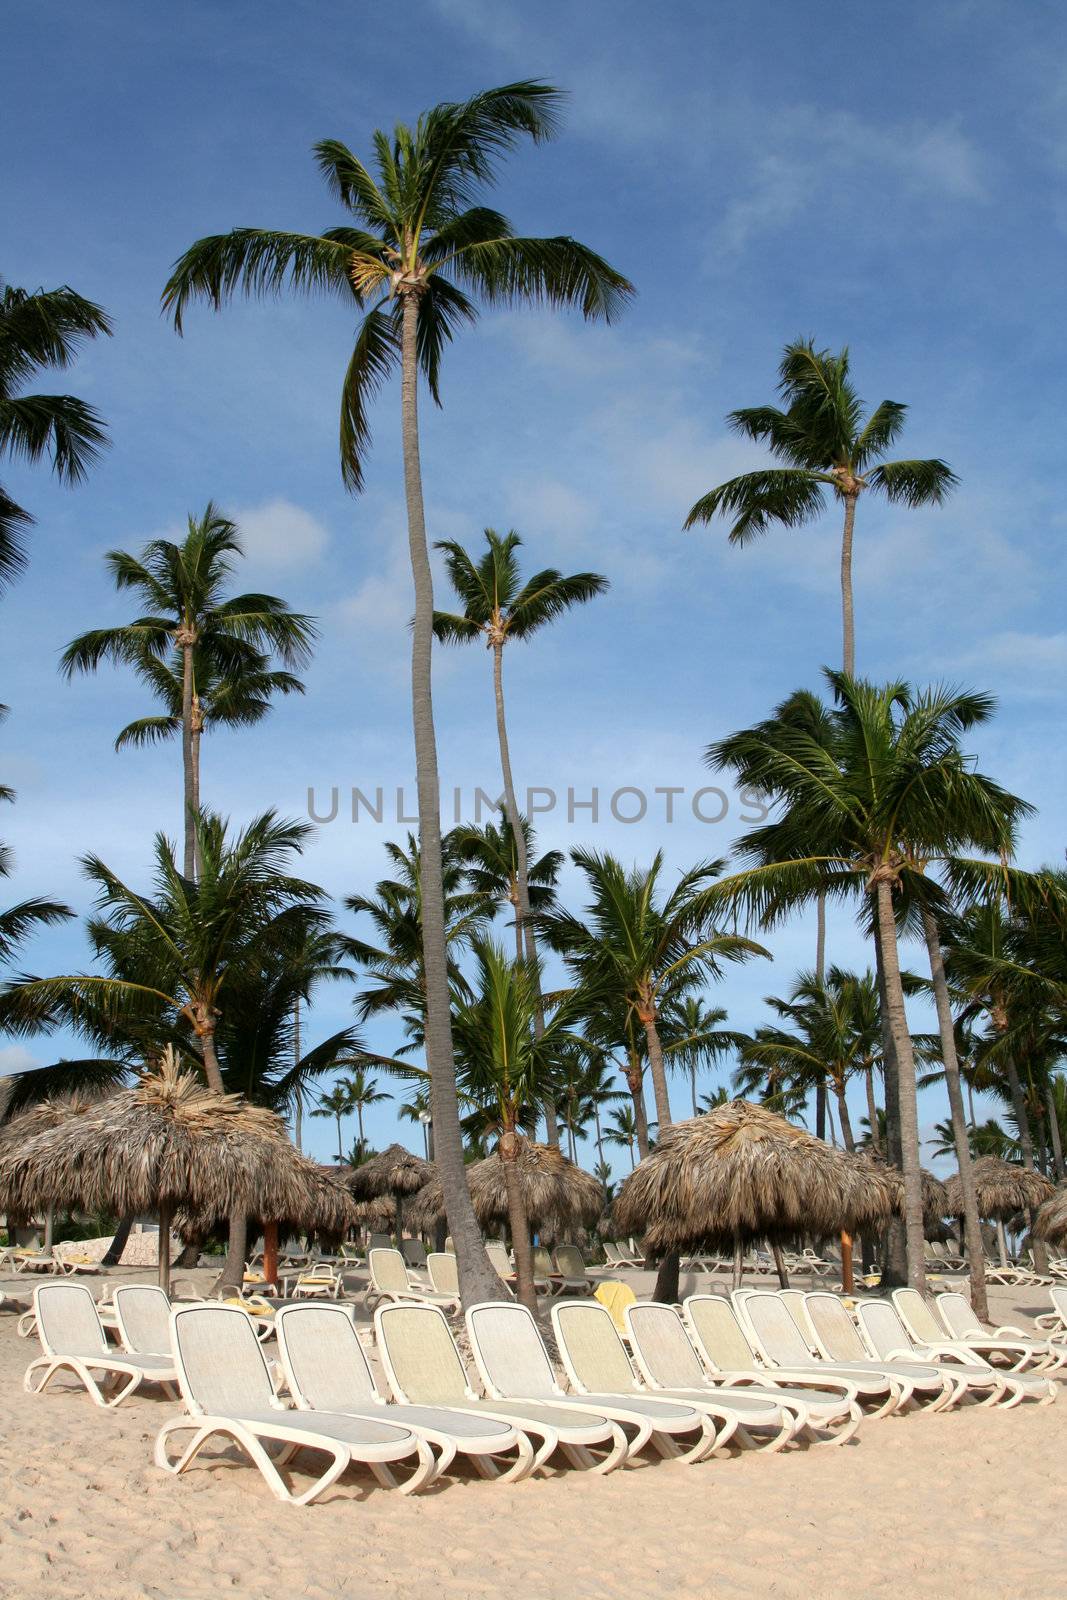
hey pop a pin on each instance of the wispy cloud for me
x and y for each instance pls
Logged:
(280, 534)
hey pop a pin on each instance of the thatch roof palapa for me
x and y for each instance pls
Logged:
(395, 1171)
(1050, 1223)
(1002, 1189)
(556, 1193)
(740, 1174)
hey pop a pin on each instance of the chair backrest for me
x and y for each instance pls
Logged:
(612, 1254)
(882, 1327)
(592, 1352)
(836, 1335)
(793, 1300)
(542, 1263)
(1058, 1295)
(221, 1367)
(774, 1329)
(387, 1271)
(324, 1362)
(509, 1351)
(570, 1261)
(143, 1313)
(414, 1252)
(917, 1317)
(444, 1274)
(958, 1317)
(615, 1297)
(420, 1356)
(662, 1349)
(719, 1337)
(498, 1257)
(380, 1241)
(67, 1320)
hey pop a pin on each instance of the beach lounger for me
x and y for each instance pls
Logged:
(326, 1370)
(74, 1341)
(390, 1281)
(887, 1336)
(729, 1355)
(73, 1262)
(595, 1360)
(320, 1282)
(924, 1327)
(414, 1253)
(227, 1389)
(424, 1367)
(774, 1332)
(1053, 1324)
(34, 1261)
(443, 1274)
(499, 1259)
(961, 1323)
(667, 1360)
(570, 1264)
(838, 1339)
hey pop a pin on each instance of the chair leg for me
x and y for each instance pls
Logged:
(523, 1464)
(425, 1472)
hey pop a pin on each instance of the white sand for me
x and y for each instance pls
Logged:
(920, 1505)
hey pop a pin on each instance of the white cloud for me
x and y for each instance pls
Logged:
(16, 1058)
(281, 534)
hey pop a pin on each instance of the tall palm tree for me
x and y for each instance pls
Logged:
(188, 614)
(41, 330)
(492, 866)
(174, 958)
(420, 241)
(498, 607)
(362, 1092)
(692, 1038)
(622, 1130)
(825, 440)
(417, 1109)
(336, 1103)
(892, 796)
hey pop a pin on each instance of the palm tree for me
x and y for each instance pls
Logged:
(892, 796)
(362, 1092)
(692, 1038)
(504, 1068)
(176, 957)
(336, 1103)
(497, 607)
(40, 330)
(417, 1109)
(825, 440)
(182, 586)
(492, 867)
(622, 1130)
(419, 243)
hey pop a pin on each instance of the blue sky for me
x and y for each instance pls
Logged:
(760, 173)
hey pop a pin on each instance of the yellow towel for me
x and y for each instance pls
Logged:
(616, 1297)
(253, 1305)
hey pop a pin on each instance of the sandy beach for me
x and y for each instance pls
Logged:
(920, 1505)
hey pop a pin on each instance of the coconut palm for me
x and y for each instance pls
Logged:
(336, 1103)
(492, 866)
(622, 1130)
(497, 608)
(188, 613)
(825, 440)
(692, 1038)
(417, 1109)
(419, 243)
(892, 797)
(38, 330)
(362, 1092)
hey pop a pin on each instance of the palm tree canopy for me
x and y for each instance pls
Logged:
(497, 605)
(419, 228)
(237, 699)
(491, 860)
(41, 330)
(825, 440)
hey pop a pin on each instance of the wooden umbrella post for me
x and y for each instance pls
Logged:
(848, 1281)
(163, 1253)
(779, 1263)
(270, 1253)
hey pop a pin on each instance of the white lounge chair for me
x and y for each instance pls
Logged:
(74, 1341)
(918, 1317)
(667, 1360)
(390, 1281)
(1053, 1324)
(773, 1330)
(327, 1370)
(443, 1273)
(729, 1355)
(961, 1323)
(886, 1336)
(838, 1339)
(595, 1360)
(424, 1367)
(318, 1282)
(570, 1264)
(499, 1259)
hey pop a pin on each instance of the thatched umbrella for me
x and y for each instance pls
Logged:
(742, 1173)
(556, 1193)
(934, 1195)
(166, 1142)
(377, 1216)
(1050, 1223)
(394, 1172)
(39, 1117)
(1002, 1189)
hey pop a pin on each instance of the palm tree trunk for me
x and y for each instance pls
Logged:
(359, 1124)
(906, 1093)
(820, 978)
(340, 1152)
(894, 1255)
(657, 1069)
(163, 1248)
(872, 1111)
(972, 1228)
(523, 926)
(298, 1104)
(1026, 1144)
(195, 735)
(188, 782)
(848, 621)
(518, 1221)
(693, 1087)
(970, 1103)
(477, 1279)
(636, 1086)
(1054, 1133)
(844, 1119)
(113, 1254)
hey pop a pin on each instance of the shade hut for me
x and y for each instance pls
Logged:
(1002, 1189)
(36, 1118)
(556, 1193)
(740, 1174)
(396, 1172)
(934, 1195)
(167, 1142)
(1050, 1223)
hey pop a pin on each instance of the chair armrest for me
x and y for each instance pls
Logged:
(1009, 1328)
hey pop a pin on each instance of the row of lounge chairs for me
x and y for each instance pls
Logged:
(761, 1369)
